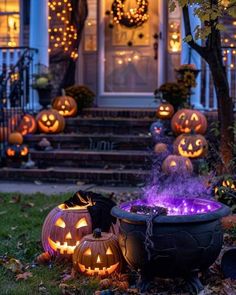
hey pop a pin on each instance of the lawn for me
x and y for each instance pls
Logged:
(21, 222)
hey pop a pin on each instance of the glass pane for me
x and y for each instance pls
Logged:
(9, 5)
(131, 53)
(10, 29)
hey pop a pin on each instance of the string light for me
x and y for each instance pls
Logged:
(62, 34)
(134, 17)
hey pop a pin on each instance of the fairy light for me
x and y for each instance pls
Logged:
(134, 17)
(62, 34)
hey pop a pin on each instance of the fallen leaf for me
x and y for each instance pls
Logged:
(14, 265)
(24, 276)
(42, 289)
(15, 199)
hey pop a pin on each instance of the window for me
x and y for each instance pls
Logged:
(9, 22)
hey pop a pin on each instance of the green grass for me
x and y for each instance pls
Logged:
(21, 222)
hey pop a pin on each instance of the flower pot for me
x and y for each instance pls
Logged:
(44, 97)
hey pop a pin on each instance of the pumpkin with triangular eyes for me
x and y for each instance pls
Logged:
(17, 151)
(98, 254)
(177, 165)
(165, 111)
(65, 105)
(190, 146)
(225, 192)
(50, 121)
(63, 229)
(27, 125)
(186, 121)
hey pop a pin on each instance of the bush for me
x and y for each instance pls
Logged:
(82, 94)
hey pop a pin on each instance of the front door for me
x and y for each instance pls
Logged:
(128, 58)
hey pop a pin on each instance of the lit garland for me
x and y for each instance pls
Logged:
(134, 18)
(61, 32)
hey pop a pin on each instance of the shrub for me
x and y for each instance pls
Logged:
(82, 94)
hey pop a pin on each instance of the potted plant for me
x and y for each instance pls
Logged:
(42, 83)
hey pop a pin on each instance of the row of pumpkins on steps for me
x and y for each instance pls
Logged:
(189, 126)
(46, 121)
(67, 233)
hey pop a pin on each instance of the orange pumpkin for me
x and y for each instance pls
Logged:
(186, 120)
(98, 254)
(50, 121)
(65, 105)
(15, 138)
(177, 165)
(165, 111)
(190, 145)
(27, 125)
(64, 228)
(160, 148)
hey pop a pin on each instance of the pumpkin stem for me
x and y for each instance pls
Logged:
(63, 92)
(97, 233)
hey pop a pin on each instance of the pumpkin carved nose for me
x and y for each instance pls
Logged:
(98, 259)
(186, 122)
(48, 123)
(190, 147)
(68, 236)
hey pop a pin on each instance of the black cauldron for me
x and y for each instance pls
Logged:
(184, 242)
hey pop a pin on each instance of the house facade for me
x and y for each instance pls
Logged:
(122, 64)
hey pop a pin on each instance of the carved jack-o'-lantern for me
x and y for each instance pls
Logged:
(27, 125)
(50, 121)
(16, 151)
(177, 165)
(185, 121)
(165, 111)
(190, 145)
(65, 105)
(225, 192)
(98, 254)
(15, 138)
(64, 228)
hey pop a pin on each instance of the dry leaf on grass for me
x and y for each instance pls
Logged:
(24, 276)
(14, 265)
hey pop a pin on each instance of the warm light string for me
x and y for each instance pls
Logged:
(134, 17)
(62, 33)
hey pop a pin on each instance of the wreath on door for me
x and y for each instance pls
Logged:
(133, 18)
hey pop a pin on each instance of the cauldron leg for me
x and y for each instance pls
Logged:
(194, 283)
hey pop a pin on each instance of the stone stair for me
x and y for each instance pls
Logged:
(102, 146)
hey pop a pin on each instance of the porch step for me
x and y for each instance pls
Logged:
(92, 159)
(73, 175)
(108, 125)
(93, 141)
(135, 113)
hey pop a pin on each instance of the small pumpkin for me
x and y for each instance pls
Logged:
(64, 228)
(65, 105)
(187, 120)
(160, 148)
(177, 165)
(15, 138)
(165, 111)
(27, 125)
(98, 254)
(50, 121)
(16, 151)
(190, 146)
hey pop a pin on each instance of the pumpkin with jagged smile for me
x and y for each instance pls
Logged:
(27, 125)
(190, 145)
(186, 121)
(165, 111)
(50, 121)
(98, 254)
(63, 229)
(65, 105)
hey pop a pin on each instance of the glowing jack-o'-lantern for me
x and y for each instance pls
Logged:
(50, 121)
(185, 121)
(177, 165)
(190, 145)
(15, 151)
(27, 125)
(165, 111)
(65, 105)
(98, 254)
(64, 228)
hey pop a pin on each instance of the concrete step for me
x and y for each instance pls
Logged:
(108, 125)
(93, 141)
(72, 175)
(92, 159)
(120, 113)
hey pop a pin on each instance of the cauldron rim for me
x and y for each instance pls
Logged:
(131, 217)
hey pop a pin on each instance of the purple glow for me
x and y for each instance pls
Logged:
(178, 206)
